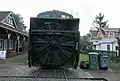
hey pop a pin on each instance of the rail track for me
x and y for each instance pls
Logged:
(49, 75)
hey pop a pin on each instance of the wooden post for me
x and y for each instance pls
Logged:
(8, 41)
(18, 40)
(14, 43)
(23, 45)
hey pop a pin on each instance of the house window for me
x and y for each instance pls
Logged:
(1, 44)
(94, 47)
(116, 48)
(9, 20)
(11, 44)
(91, 42)
(108, 47)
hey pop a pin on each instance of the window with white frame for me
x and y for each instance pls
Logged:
(10, 44)
(9, 20)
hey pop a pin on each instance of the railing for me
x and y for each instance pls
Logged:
(110, 53)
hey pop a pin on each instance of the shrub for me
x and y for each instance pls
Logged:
(115, 59)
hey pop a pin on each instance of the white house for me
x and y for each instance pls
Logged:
(108, 44)
(105, 39)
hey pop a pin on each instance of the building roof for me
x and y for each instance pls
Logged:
(93, 33)
(54, 14)
(104, 41)
(13, 29)
(4, 14)
(103, 30)
(111, 29)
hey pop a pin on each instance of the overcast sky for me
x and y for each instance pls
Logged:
(86, 9)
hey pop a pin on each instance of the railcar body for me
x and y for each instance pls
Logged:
(53, 41)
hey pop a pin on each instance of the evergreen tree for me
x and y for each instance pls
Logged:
(99, 23)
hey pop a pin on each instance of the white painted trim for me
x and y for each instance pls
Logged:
(13, 19)
(14, 30)
(8, 24)
(11, 44)
(90, 33)
(10, 48)
(100, 32)
(97, 33)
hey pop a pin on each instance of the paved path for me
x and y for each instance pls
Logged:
(109, 75)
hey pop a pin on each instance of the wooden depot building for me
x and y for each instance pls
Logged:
(12, 39)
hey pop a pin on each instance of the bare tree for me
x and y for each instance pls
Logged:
(74, 13)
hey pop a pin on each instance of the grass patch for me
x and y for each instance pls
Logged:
(19, 59)
(84, 57)
(115, 63)
(115, 66)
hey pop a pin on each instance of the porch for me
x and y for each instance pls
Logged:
(13, 42)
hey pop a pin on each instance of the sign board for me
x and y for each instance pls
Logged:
(3, 55)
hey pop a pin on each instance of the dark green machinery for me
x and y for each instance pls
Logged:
(53, 42)
(93, 60)
(103, 60)
(99, 60)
